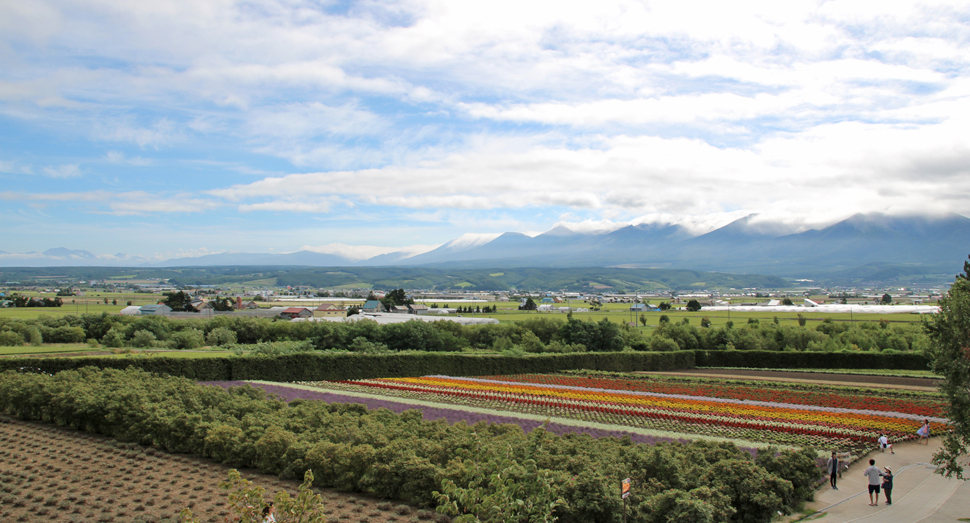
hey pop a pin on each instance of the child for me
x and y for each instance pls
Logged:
(924, 432)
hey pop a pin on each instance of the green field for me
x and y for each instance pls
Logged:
(620, 313)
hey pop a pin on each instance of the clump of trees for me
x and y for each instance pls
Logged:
(536, 334)
(827, 336)
(492, 472)
(19, 300)
(950, 352)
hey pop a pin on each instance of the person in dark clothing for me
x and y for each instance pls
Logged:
(832, 465)
(887, 484)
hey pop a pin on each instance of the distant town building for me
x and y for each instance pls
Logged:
(296, 312)
(159, 309)
(327, 310)
(373, 306)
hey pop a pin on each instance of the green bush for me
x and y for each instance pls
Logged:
(11, 339)
(186, 339)
(220, 336)
(143, 338)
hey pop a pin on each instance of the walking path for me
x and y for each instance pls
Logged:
(919, 495)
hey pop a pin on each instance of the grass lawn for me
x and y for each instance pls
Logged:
(861, 372)
(81, 348)
(182, 354)
(53, 348)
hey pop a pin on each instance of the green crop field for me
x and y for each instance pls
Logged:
(53, 348)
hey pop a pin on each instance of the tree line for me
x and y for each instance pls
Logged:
(539, 334)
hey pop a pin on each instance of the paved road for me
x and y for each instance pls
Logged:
(919, 495)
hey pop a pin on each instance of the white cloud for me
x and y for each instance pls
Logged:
(364, 252)
(15, 167)
(63, 171)
(120, 158)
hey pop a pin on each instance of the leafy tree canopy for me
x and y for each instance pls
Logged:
(950, 352)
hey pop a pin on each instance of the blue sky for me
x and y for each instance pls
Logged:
(185, 127)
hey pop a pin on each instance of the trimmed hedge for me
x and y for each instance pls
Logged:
(312, 366)
(349, 366)
(810, 360)
(199, 369)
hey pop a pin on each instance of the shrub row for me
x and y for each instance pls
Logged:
(310, 366)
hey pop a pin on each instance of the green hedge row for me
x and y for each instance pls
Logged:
(810, 360)
(348, 366)
(310, 366)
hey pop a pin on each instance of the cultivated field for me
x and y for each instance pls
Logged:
(52, 474)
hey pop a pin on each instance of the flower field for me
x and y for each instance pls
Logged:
(825, 418)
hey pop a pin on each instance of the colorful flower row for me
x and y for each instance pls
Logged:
(930, 406)
(758, 421)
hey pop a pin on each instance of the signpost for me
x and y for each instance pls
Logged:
(624, 493)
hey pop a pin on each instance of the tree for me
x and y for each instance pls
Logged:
(223, 304)
(643, 319)
(395, 298)
(693, 306)
(529, 305)
(664, 306)
(787, 301)
(950, 355)
(178, 301)
(706, 322)
(886, 299)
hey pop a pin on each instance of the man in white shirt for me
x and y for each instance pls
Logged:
(884, 444)
(875, 480)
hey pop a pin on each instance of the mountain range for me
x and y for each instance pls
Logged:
(860, 247)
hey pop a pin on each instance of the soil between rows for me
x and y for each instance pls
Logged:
(54, 474)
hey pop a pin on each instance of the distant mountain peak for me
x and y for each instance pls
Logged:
(560, 230)
(469, 240)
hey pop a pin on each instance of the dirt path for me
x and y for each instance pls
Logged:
(889, 382)
(53, 474)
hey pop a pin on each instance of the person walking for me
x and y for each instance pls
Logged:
(885, 444)
(887, 484)
(832, 465)
(874, 475)
(924, 432)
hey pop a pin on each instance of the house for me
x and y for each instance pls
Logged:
(5, 304)
(159, 309)
(249, 305)
(373, 306)
(328, 310)
(546, 307)
(399, 309)
(640, 307)
(199, 305)
(296, 312)
(417, 308)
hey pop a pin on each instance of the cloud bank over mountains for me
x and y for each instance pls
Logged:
(286, 125)
(876, 245)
